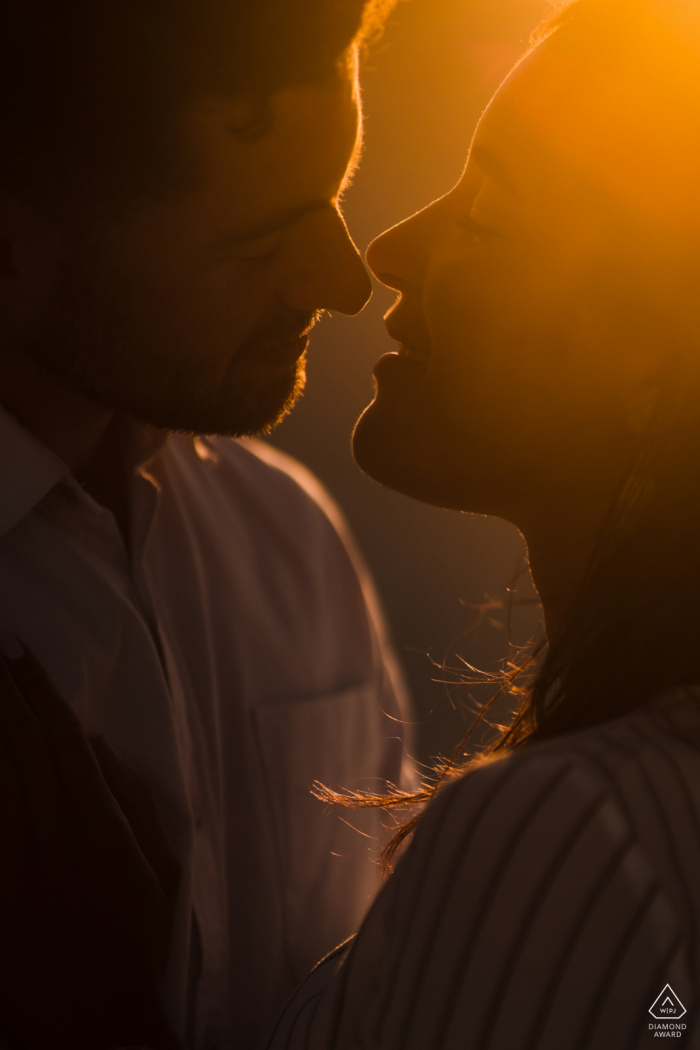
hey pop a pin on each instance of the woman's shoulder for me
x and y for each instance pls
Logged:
(654, 749)
(539, 884)
(610, 813)
(540, 903)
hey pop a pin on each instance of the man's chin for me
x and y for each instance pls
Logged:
(263, 415)
(243, 409)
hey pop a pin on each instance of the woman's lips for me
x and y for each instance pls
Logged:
(406, 363)
(421, 357)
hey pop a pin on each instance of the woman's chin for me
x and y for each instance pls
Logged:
(374, 448)
(391, 452)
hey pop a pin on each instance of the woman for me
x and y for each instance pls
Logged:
(549, 373)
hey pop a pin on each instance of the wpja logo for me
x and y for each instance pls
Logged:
(667, 1005)
(669, 1009)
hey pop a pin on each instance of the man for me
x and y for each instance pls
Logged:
(169, 232)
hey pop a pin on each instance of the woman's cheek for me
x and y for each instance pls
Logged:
(481, 314)
(459, 293)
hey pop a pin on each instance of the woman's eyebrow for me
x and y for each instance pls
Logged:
(493, 166)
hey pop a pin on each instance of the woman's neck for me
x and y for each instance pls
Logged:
(560, 545)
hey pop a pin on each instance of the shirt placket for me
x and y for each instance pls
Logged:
(206, 888)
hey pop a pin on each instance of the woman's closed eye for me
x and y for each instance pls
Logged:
(481, 233)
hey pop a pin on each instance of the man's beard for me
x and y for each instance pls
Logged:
(91, 343)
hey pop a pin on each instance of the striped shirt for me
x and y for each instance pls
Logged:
(546, 901)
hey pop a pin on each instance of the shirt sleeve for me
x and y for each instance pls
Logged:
(524, 916)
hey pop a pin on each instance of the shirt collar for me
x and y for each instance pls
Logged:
(28, 470)
(144, 443)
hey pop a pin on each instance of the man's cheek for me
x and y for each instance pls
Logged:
(202, 316)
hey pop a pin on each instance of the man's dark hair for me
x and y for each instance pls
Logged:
(88, 89)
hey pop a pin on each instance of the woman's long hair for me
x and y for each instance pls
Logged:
(633, 628)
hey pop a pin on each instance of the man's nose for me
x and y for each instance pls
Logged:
(327, 272)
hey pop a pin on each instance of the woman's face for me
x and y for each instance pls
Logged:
(527, 298)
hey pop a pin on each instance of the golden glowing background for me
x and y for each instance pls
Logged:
(424, 87)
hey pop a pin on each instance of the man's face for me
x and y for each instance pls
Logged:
(192, 311)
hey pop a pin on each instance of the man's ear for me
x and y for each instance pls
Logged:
(7, 266)
(29, 243)
(11, 215)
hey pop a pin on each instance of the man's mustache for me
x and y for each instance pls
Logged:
(281, 329)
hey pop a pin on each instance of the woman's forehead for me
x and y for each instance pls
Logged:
(561, 124)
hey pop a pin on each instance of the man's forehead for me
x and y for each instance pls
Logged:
(302, 158)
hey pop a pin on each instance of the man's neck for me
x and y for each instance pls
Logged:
(67, 422)
(85, 435)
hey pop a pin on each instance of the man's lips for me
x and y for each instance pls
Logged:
(275, 357)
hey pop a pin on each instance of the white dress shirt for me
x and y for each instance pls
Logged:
(236, 655)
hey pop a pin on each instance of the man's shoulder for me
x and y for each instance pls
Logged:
(283, 476)
(260, 488)
(263, 522)
(244, 467)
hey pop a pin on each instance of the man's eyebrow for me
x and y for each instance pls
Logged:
(276, 220)
(492, 165)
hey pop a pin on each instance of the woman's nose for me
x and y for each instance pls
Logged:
(379, 260)
(397, 256)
